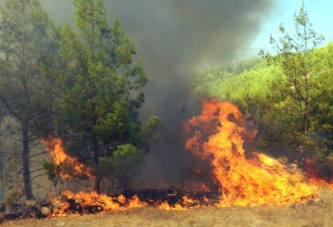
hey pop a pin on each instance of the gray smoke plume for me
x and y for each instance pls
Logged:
(176, 39)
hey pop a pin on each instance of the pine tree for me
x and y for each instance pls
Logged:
(295, 52)
(24, 93)
(102, 87)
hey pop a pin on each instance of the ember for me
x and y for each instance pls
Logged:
(217, 136)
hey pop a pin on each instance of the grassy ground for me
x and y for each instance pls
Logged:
(316, 213)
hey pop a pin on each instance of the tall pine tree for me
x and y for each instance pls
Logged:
(101, 88)
(296, 56)
(24, 93)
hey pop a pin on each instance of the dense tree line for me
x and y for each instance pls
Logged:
(83, 84)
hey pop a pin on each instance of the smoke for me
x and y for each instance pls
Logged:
(176, 40)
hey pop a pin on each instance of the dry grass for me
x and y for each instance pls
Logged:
(317, 213)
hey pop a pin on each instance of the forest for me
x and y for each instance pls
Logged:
(85, 86)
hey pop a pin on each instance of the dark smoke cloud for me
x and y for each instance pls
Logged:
(177, 38)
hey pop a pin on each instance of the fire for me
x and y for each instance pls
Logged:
(184, 204)
(217, 136)
(73, 203)
(94, 202)
(68, 166)
(312, 171)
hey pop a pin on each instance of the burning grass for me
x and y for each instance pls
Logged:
(217, 136)
(254, 189)
(317, 212)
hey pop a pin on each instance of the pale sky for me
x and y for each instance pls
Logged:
(320, 13)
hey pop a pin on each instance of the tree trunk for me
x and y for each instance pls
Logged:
(306, 107)
(97, 188)
(26, 164)
(2, 186)
(306, 119)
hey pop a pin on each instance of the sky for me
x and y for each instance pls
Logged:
(319, 12)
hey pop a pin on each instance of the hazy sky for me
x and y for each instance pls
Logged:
(319, 12)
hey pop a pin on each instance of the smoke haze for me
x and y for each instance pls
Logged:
(176, 39)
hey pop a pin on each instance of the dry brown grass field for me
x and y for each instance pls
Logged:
(315, 213)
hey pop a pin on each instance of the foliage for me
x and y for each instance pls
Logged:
(24, 93)
(122, 165)
(307, 72)
(51, 170)
(208, 84)
(101, 87)
(257, 84)
(268, 97)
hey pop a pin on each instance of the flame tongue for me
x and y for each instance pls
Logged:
(69, 167)
(93, 203)
(218, 137)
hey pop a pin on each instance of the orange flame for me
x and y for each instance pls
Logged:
(166, 206)
(312, 171)
(69, 166)
(217, 135)
(102, 201)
